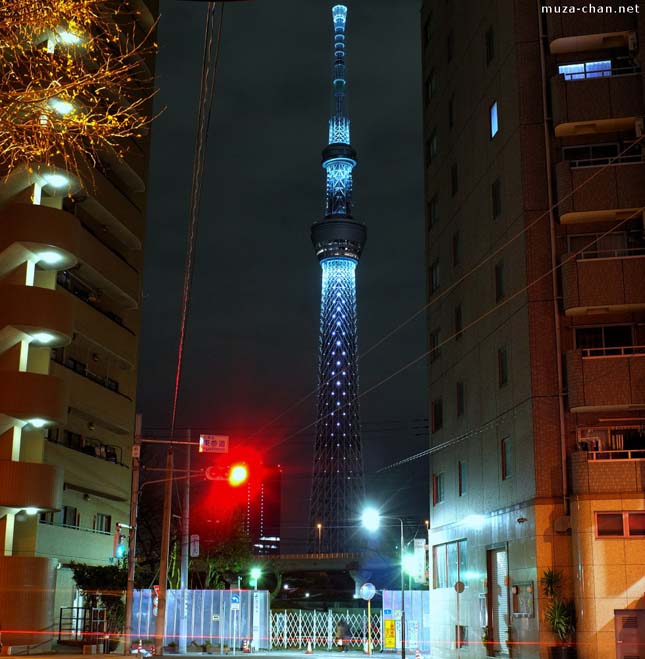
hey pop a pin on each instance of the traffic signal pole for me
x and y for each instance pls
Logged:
(160, 626)
(185, 548)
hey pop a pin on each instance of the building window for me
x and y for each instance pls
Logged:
(434, 345)
(451, 111)
(432, 147)
(450, 564)
(433, 211)
(582, 70)
(458, 323)
(494, 120)
(454, 179)
(431, 86)
(437, 488)
(456, 249)
(620, 524)
(437, 414)
(462, 478)
(461, 402)
(496, 198)
(500, 290)
(434, 276)
(507, 467)
(70, 516)
(450, 46)
(102, 523)
(427, 31)
(49, 518)
(490, 45)
(502, 367)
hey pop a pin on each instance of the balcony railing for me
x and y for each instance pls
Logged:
(87, 445)
(72, 526)
(611, 253)
(608, 72)
(614, 351)
(625, 159)
(614, 455)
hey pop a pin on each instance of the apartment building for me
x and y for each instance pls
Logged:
(71, 257)
(533, 124)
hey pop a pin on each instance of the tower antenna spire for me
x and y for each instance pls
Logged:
(337, 483)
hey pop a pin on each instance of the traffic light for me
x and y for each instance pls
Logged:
(119, 543)
(238, 474)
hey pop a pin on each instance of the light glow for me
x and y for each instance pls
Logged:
(371, 519)
(43, 337)
(31, 511)
(56, 180)
(238, 475)
(50, 258)
(68, 38)
(37, 423)
(62, 107)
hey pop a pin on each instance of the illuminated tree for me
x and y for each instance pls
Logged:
(73, 82)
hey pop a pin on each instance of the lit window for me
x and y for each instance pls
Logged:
(494, 121)
(507, 466)
(620, 524)
(582, 70)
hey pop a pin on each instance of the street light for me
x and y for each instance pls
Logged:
(319, 527)
(256, 573)
(371, 520)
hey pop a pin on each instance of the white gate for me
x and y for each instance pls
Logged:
(296, 628)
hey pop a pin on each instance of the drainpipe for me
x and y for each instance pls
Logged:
(554, 263)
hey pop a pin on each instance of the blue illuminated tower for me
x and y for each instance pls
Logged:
(337, 488)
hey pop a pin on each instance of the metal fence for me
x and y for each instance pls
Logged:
(213, 617)
(297, 628)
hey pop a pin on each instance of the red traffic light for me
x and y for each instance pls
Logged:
(238, 475)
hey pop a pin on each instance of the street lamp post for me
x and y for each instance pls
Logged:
(319, 527)
(371, 521)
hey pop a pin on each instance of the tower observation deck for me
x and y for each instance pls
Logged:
(337, 486)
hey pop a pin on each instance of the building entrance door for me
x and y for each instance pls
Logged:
(498, 619)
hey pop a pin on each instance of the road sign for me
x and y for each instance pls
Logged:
(213, 443)
(367, 591)
(194, 546)
(235, 602)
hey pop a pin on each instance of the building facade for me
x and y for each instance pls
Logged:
(533, 122)
(71, 259)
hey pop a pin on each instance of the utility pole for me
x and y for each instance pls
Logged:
(185, 550)
(160, 628)
(132, 542)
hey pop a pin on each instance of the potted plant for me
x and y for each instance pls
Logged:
(172, 647)
(560, 615)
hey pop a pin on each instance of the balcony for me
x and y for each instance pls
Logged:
(31, 309)
(69, 543)
(26, 396)
(97, 399)
(612, 283)
(594, 30)
(109, 206)
(30, 485)
(613, 192)
(108, 272)
(29, 231)
(597, 104)
(104, 330)
(88, 474)
(608, 379)
(590, 475)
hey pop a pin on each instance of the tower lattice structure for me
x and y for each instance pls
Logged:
(337, 487)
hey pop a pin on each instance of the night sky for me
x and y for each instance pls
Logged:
(251, 347)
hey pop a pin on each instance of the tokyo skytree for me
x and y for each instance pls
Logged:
(337, 488)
